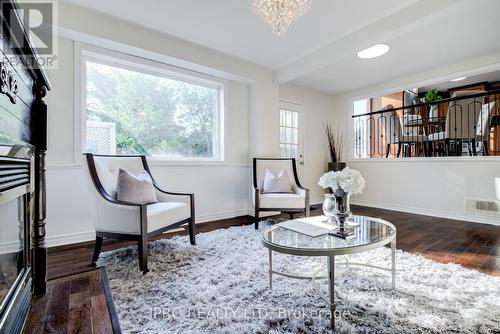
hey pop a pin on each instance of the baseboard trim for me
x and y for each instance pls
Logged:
(221, 215)
(426, 212)
(71, 238)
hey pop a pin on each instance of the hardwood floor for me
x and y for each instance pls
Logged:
(474, 246)
(73, 280)
(79, 303)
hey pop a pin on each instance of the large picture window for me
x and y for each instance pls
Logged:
(130, 110)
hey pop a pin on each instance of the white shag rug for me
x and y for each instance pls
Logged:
(221, 286)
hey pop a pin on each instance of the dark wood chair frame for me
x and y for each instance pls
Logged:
(306, 211)
(142, 239)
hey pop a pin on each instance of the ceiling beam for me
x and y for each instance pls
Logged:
(404, 21)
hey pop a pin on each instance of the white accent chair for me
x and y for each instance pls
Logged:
(129, 221)
(461, 121)
(296, 202)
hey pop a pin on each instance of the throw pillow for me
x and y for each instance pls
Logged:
(135, 189)
(277, 184)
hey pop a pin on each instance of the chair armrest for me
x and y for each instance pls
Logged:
(301, 186)
(164, 196)
(256, 198)
(172, 193)
(169, 193)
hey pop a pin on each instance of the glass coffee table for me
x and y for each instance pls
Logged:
(370, 233)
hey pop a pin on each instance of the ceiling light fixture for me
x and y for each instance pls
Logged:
(279, 14)
(374, 51)
(459, 79)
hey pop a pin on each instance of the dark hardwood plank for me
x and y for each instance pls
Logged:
(38, 313)
(57, 313)
(79, 303)
(79, 306)
(101, 321)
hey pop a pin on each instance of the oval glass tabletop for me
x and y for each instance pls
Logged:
(368, 232)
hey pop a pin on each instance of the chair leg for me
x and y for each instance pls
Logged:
(307, 210)
(388, 150)
(291, 215)
(97, 249)
(458, 147)
(192, 231)
(474, 148)
(400, 146)
(425, 153)
(143, 255)
(485, 148)
(447, 147)
(256, 219)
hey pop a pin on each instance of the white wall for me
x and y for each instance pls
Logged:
(251, 126)
(431, 186)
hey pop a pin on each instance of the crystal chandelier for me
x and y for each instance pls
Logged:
(280, 13)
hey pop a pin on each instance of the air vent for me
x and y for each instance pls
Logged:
(482, 207)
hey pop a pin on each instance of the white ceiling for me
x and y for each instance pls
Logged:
(319, 50)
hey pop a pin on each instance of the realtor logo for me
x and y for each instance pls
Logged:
(38, 24)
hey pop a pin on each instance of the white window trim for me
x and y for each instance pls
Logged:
(84, 52)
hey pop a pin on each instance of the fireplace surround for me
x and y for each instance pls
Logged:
(16, 194)
(23, 143)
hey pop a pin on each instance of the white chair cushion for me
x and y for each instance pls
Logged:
(276, 183)
(285, 201)
(163, 214)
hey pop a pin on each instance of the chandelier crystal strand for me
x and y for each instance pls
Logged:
(279, 14)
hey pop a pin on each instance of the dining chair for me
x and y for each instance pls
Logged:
(401, 131)
(295, 202)
(130, 221)
(461, 122)
(483, 125)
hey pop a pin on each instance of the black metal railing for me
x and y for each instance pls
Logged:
(467, 124)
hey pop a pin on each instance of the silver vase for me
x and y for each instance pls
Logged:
(341, 210)
(329, 207)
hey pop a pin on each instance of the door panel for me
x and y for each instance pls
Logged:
(291, 133)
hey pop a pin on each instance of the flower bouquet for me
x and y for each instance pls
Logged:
(336, 204)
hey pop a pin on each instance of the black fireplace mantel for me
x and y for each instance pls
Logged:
(23, 145)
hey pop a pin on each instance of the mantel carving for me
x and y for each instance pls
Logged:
(8, 82)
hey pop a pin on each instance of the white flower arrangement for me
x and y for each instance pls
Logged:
(349, 180)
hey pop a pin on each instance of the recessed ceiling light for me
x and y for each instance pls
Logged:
(374, 51)
(459, 79)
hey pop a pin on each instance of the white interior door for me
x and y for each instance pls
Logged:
(291, 134)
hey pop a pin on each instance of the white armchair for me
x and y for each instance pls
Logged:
(296, 202)
(129, 221)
